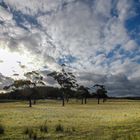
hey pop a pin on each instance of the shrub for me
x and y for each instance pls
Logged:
(30, 133)
(59, 128)
(34, 136)
(73, 129)
(44, 128)
(1, 129)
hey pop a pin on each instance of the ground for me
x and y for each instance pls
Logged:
(48, 120)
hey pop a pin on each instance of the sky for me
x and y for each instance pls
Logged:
(98, 40)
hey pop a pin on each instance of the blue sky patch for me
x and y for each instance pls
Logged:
(21, 19)
(133, 23)
(67, 59)
(3, 4)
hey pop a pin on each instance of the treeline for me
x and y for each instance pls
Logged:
(34, 87)
(128, 97)
(44, 92)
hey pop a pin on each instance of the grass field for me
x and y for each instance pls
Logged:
(48, 120)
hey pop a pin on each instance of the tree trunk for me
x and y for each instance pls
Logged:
(67, 99)
(30, 103)
(34, 101)
(85, 100)
(98, 100)
(82, 101)
(63, 101)
(104, 99)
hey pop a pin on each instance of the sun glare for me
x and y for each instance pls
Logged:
(15, 64)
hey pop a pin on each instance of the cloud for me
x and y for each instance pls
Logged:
(116, 84)
(4, 14)
(5, 81)
(130, 45)
(89, 36)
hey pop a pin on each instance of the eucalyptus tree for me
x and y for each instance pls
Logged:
(101, 92)
(25, 86)
(37, 79)
(66, 80)
(83, 94)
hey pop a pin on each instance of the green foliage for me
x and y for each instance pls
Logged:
(67, 82)
(65, 79)
(35, 77)
(82, 91)
(101, 91)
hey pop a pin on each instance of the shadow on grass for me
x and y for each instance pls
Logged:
(8, 101)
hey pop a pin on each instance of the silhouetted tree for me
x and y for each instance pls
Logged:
(101, 92)
(67, 82)
(37, 79)
(83, 93)
(26, 86)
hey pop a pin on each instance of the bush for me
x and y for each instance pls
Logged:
(34, 136)
(30, 133)
(44, 128)
(27, 131)
(59, 128)
(1, 129)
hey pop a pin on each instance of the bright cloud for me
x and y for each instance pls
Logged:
(90, 36)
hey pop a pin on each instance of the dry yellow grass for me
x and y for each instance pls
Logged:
(113, 120)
